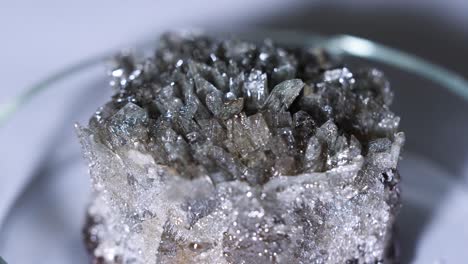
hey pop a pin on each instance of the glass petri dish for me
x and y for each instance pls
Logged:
(46, 218)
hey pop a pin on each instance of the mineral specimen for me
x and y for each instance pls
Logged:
(226, 151)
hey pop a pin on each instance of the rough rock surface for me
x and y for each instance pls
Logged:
(225, 151)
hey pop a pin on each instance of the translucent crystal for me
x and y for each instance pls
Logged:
(255, 90)
(226, 151)
(283, 94)
(127, 126)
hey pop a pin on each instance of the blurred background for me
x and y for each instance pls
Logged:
(41, 37)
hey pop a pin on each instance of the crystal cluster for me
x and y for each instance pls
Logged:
(227, 151)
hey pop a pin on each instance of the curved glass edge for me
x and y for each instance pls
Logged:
(9, 108)
(337, 45)
(370, 50)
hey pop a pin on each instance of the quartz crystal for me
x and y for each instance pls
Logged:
(226, 151)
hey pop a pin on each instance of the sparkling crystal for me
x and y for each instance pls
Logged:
(226, 151)
(255, 90)
(283, 94)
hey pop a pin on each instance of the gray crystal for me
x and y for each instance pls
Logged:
(226, 151)
(255, 90)
(313, 158)
(283, 94)
(127, 126)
